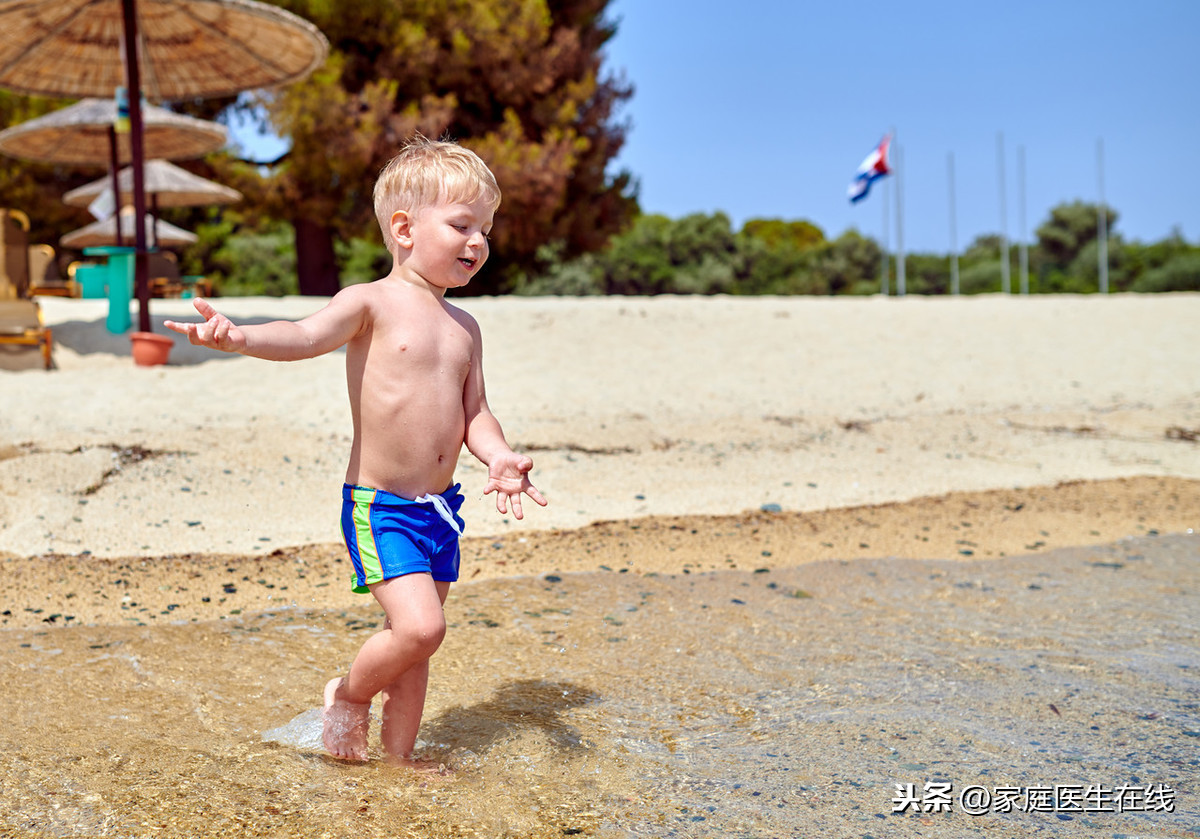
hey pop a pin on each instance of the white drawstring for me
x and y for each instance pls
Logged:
(443, 510)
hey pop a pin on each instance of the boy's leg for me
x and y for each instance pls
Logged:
(404, 703)
(412, 633)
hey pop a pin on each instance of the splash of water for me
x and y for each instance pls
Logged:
(302, 732)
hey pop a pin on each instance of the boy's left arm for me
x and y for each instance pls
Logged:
(508, 472)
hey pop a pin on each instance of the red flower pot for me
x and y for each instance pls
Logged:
(150, 349)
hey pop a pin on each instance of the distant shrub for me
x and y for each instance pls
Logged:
(261, 263)
(980, 278)
(362, 260)
(1181, 273)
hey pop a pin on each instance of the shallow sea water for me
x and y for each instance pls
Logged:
(733, 704)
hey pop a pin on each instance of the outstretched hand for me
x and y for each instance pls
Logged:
(508, 477)
(217, 331)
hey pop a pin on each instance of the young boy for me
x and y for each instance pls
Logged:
(415, 376)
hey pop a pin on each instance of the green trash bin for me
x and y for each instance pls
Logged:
(92, 278)
(118, 284)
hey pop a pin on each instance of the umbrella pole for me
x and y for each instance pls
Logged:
(114, 170)
(133, 83)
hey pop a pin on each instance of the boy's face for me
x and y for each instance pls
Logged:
(447, 242)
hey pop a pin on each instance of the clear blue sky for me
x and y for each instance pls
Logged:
(764, 108)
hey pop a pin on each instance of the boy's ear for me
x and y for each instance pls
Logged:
(401, 229)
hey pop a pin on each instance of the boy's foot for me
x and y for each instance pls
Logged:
(421, 765)
(344, 725)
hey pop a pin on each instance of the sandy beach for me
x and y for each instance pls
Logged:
(808, 443)
(629, 407)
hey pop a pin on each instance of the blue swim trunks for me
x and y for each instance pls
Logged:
(389, 536)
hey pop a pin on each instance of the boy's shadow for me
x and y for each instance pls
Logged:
(530, 704)
(85, 337)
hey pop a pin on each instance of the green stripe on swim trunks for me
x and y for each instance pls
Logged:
(368, 552)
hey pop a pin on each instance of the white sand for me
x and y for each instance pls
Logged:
(629, 407)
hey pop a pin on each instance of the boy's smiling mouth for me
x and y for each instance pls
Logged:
(467, 261)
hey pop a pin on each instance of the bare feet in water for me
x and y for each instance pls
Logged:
(420, 765)
(344, 725)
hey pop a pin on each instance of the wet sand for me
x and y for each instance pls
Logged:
(783, 702)
(798, 552)
(70, 590)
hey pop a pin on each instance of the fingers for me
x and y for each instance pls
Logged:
(506, 498)
(204, 308)
(188, 329)
(214, 332)
(533, 493)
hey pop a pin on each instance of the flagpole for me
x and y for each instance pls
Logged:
(953, 225)
(1102, 218)
(1005, 279)
(1022, 247)
(884, 272)
(900, 281)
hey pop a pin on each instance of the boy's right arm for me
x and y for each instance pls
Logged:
(281, 340)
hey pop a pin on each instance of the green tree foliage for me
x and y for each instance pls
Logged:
(518, 81)
(777, 233)
(979, 266)
(982, 277)
(697, 254)
(1179, 273)
(847, 265)
(779, 254)
(927, 273)
(702, 254)
(1166, 265)
(1060, 256)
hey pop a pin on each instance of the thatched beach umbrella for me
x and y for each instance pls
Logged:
(105, 232)
(167, 185)
(82, 134)
(186, 48)
(163, 49)
(85, 133)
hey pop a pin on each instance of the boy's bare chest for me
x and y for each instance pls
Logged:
(440, 344)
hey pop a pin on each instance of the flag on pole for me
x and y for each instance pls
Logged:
(871, 170)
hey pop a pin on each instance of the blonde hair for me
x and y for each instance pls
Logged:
(426, 171)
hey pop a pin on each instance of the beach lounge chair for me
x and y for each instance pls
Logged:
(162, 268)
(21, 321)
(21, 324)
(166, 281)
(14, 254)
(44, 279)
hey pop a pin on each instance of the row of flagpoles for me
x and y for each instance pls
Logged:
(885, 159)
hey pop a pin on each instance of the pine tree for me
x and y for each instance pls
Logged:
(519, 81)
